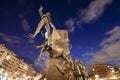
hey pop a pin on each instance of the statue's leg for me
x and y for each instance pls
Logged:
(40, 25)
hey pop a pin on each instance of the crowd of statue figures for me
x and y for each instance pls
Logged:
(58, 47)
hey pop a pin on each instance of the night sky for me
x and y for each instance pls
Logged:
(93, 25)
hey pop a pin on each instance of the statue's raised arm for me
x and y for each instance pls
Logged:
(45, 21)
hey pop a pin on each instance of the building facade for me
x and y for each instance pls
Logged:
(104, 71)
(15, 66)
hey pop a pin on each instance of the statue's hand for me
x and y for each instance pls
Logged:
(32, 36)
(41, 8)
(37, 47)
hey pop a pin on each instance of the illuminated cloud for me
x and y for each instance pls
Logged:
(95, 9)
(110, 50)
(25, 25)
(17, 40)
(71, 23)
(31, 41)
(9, 38)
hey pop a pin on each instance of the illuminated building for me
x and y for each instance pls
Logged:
(25, 68)
(117, 72)
(15, 66)
(9, 60)
(102, 71)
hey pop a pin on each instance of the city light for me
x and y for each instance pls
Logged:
(33, 71)
(16, 73)
(113, 71)
(90, 78)
(8, 57)
(25, 67)
(45, 79)
(1, 70)
(114, 77)
(96, 76)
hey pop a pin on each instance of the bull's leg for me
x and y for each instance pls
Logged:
(41, 54)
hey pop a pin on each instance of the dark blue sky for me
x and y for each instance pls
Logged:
(94, 27)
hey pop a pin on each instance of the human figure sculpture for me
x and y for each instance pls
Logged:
(76, 71)
(66, 70)
(57, 47)
(45, 21)
(84, 72)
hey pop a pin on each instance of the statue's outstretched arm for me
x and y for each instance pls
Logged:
(40, 11)
(39, 46)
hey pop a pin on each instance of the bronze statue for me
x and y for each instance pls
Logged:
(66, 70)
(76, 71)
(84, 72)
(57, 45)
(45, 21)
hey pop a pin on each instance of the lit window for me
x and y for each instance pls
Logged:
(96, 76)
(8, 57)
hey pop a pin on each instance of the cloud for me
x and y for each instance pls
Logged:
(31, 41)
(95, 9)
(17, 40)
(115, 36)
(24, 22)
(110, 50)
(9, 38)
(71, 23)
(25, 25)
